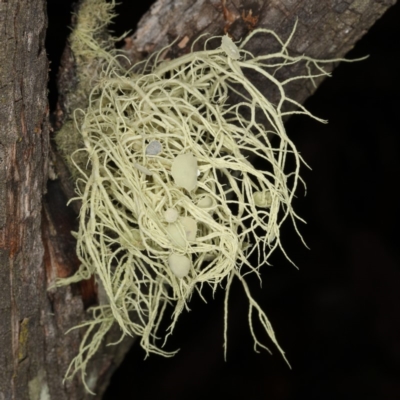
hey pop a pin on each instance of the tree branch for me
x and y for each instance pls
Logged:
(325, 29)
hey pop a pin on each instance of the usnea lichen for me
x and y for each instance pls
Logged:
(171, 200)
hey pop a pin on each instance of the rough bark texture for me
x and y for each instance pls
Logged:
(35, 244)
(35, 351)
(23, 159)
(325, 29)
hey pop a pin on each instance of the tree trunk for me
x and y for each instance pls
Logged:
(23, 162)
(35, 241)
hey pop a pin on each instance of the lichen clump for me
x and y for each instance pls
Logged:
(172, 200)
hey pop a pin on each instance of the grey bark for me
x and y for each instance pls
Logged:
(326, 29)
(34, 237)
(23, 159)
(35, 244)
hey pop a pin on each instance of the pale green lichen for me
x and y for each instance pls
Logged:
(23, 339)
(93, 48)
(38, 388)
(153, 236)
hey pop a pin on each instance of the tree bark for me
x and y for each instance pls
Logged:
(23, 161)
(325, 29)
(35, 241)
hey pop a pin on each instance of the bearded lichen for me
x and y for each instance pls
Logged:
(171, 198)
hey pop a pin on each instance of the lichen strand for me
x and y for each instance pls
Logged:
(93, 49)
(91, 42)
(137, 222)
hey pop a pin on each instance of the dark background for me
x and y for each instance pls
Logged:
(337, 317)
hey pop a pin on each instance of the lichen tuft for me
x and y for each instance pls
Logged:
(158, 225)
